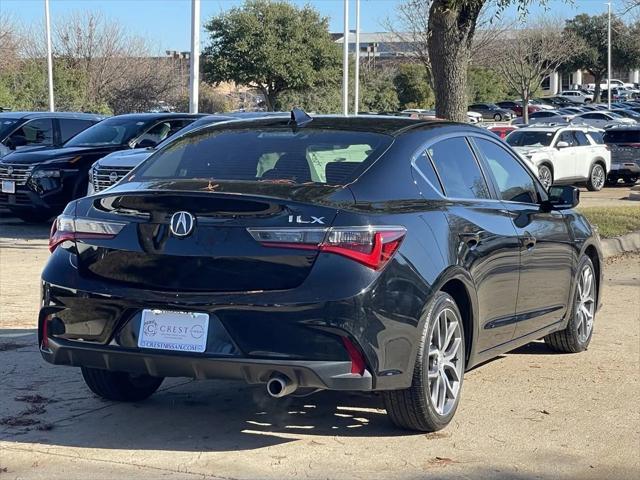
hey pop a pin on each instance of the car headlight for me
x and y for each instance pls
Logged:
(45, 173)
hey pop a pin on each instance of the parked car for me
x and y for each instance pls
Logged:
(21, 131)
(602, 119)
(502, 130)
(516, 107)
(38, 184)
(491, 111)
(577, 96)
(563, 155)
(624, 144)
(110, 169)
(250, 251)
(474, 117)
(627, 113)
(544, 116)
(540, 104)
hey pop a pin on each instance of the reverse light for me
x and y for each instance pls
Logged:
(68, 228)
(372, 246)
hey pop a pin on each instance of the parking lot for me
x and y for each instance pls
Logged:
(528, 414)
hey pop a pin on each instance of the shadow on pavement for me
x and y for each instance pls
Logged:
(14, 228)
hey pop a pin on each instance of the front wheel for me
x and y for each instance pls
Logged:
(597, 178)
(577, 335)
(546, 176)
(120, 386)
(497, 117)
(431, 401)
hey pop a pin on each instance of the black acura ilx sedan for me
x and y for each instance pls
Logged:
(367, 253)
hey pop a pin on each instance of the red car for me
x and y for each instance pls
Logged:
(517, 107)
(502, 131)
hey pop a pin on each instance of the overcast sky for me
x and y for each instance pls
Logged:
(167, 22)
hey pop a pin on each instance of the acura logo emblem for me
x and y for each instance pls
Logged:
(9, 170)
(182, 224)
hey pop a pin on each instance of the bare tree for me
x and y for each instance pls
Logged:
(531, 54)
(9, 44)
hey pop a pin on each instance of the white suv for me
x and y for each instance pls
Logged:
(577, 96)
(564, 154)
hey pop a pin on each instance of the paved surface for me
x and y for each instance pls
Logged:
(607, 197)
(530, 414)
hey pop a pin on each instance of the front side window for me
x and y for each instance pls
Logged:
(70, 127)
(458, 169)
(514, 182)
(528, 138)
(35, 132)
(276, 155)
(112, 131)
(567, 136)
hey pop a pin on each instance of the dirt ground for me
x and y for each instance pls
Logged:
(530, 414)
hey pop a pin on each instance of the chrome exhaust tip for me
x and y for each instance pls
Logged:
(279, 386)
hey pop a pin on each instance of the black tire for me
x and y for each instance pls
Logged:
(497, 117)
(630, 181)
(413, 408)
(33, 216)
(568, 340)
(120, 386)
(596, 184)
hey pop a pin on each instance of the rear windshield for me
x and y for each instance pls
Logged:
(306, 156)
(524, 138)
(622, 136)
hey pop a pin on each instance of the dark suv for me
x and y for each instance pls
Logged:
(38, 184)
(624, 143)
(20, 131)
(346, 253)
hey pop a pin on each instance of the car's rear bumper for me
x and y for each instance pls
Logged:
(332, 375)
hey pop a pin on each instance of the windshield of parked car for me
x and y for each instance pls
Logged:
(7, 125)
(112, 131)
(622, 136)
(275, 155)
(523, 138)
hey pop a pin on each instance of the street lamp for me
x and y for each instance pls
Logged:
(609, 58)
(194, 73)
(345, 61)
(47, 21)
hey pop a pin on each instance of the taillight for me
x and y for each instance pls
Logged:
(68, 228)
(372, 246)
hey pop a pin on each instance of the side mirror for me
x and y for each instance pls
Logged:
(146, 143)
(16, 141)
(562, 197)
(562, 144)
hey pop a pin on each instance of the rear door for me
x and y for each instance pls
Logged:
(482, 240)
(546, 247)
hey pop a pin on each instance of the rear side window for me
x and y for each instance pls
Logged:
(425, 167)
(274, 154)
(458, 169)
(596, 137)
(514, 182)
(581, 138)
(622, 136)
(70, 127)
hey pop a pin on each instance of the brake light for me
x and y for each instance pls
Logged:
(68, 228)
(371, 246)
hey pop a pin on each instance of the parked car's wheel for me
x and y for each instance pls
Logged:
(545, 175)
(597, 178)
(497, 117)
(431, 401)
(120, 386)
(576, 337)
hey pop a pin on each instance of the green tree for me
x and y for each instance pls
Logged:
(377, 92)
(412, 86)
(319, 99)
(273, 47)
(625, 46)
(485, 85)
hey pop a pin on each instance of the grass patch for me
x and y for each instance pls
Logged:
(613, 221)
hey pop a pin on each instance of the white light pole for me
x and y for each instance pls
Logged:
(356, 82)
(609, 59)
(194, 57)
(345, 61)
(47, 21)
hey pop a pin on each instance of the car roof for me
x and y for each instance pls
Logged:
(32, 115)
(159, 116)
(554, 128)
(382, 124)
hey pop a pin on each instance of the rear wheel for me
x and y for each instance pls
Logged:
(431, 401)
(497, 117)
(597, 177)
(120, 386)
(576, 337)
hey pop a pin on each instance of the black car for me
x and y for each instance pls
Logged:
(490, 111)
(37, 130)
(346, 253)
(624, 143)
(38, 184)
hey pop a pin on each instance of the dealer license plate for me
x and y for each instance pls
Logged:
(177, 331)
(8, 186)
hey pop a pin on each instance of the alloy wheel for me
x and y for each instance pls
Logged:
(585, 304)
(545, 177)
(597, 177)
(445, 361)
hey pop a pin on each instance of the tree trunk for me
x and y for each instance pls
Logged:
(596, 90)
(451, 29)
(525, 107)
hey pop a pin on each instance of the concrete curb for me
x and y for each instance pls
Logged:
(624, 243)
